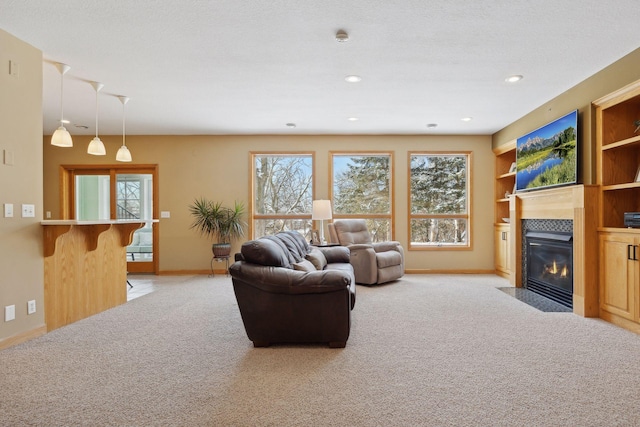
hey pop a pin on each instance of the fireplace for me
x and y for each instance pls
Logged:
(549, 261)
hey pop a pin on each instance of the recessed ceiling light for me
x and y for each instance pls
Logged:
(353, 119)
(466, 119)
(514, 78)
(353, 78)
(291, 125)
(342, 36)
(432, 125)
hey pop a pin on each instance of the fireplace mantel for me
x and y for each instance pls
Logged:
(579, 204)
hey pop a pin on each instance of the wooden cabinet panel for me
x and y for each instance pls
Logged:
(502, 247)
(618, 274)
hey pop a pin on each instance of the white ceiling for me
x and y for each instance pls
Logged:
(251, 66)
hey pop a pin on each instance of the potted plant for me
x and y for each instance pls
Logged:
(221, 223)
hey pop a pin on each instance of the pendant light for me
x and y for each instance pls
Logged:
(61, 137)
(123, 155)
(96, 147)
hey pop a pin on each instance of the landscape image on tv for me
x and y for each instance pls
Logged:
(548, 156)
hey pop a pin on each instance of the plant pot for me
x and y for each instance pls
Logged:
(221, 250)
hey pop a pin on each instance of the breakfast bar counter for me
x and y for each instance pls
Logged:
(85, 267)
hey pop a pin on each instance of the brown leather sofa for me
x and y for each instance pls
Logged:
(290, 292)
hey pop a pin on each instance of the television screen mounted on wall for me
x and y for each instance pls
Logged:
(548, 156)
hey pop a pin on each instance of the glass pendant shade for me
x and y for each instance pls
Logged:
(96, 147)
(61, 137)
(123, 154)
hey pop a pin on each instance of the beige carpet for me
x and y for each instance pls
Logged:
(428, 350)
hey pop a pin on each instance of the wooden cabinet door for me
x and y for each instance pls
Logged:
(618, 273)
(501, 233)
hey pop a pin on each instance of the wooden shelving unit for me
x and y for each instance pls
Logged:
(618, 163)
(504, 186)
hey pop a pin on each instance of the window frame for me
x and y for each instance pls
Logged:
(253, 216)
(412, 246)
(356, 153)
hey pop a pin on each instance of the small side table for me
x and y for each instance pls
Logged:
(224, 259)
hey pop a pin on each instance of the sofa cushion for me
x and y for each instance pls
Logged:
(285, 249)
(304, 265)
(302, 244)
(293, 247)
(388, 259)
(352, 231)
(265, 252)
(317, 258)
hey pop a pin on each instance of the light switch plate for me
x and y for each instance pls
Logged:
(9, 313)
(165, 214)
(8, 210)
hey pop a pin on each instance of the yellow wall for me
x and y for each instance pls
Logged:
(217, 167)
(21, 262)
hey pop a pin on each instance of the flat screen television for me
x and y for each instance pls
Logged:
(548, 156)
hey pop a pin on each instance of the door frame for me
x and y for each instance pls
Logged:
(68, 175)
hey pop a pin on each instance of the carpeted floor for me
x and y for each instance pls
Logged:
(429, 350)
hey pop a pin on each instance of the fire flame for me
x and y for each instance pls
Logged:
(553, 269)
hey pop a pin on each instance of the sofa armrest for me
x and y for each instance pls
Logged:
(387, 246)
(363, 260)
(335, 254)
(286, 281)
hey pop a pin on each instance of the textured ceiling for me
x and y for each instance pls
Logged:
(247, 67)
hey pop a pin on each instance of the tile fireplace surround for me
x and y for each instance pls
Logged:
(577, 203)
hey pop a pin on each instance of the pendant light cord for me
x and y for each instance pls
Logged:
(123, 118)
(61, 94)
(97, 90)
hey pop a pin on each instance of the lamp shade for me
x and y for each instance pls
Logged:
(96, 147)
(123, 154)
(321, 209)
(61, 138)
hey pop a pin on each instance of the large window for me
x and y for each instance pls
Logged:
(362, 188)
(282, 193)
(439, 212)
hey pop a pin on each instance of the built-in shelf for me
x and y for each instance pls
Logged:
(618, 167)
(505, 179)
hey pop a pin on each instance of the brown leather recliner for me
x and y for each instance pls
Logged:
(290, 292)
(373, 262)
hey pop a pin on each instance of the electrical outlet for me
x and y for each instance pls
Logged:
(31, 306)
(9, 313)
(8, 157)
(28, 211)
(165, 214)
(14, 68)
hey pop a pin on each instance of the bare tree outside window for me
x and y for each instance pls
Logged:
(283, 192)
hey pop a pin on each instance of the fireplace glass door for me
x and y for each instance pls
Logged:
(550, 265)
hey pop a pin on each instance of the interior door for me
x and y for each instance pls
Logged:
(117, 192)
